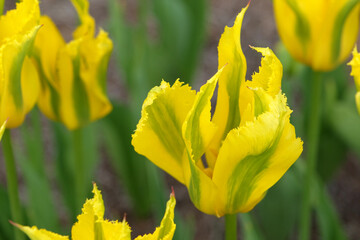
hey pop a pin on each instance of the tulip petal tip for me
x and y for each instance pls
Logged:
(172, 194)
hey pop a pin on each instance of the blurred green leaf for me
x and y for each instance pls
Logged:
(6, 229)
(329, 223)
(345, 121)
(250, 230)
(278, 212)
(332, 154)
(130, 167)
(41, 208)
(65, 164)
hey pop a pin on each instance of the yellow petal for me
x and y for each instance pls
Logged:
(40, 234)
(197, 129)
(355, 72)
(48, 42)
(87, 26)
(20, 20)
(19, 80)
(268, 148)
(197, 134)
(357, 100)
(74, 107)
(270, 73)
(167, 227)
(159, 132)
(355, 67)
(227, 112)
(95, 54)
(112, 230)
(92, 211)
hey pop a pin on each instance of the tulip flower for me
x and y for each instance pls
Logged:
(319, 33)
(92, 225)
(355, 72)
(230, 160)
(73, 75)
(19, 83)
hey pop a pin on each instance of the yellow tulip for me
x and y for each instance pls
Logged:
(92, 225)
(355, 72)
(249, 143)
(318, 33)
(19, 83)
(73, 75)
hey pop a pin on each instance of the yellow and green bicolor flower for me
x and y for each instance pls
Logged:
(355, 72)
(92, 225)
(318, 33)
(73, 75)
(230, 160)
(19, 83)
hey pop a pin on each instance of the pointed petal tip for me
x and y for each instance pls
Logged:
(248, 4)
(172, 194)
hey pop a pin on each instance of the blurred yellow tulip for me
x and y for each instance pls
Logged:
(19, 83)
(318, 33)
(73, 75)
(355, 72)
(249, 143)
(92, 225)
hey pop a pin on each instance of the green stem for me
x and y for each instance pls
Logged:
(12, 184)
(313, 133)
(79, 167)
(230, 227)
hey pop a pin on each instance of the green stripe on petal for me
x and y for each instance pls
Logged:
(302, 28)
(79, 94)
(198, 130)
(227, 113)
(159, 132)
(202, 191)
(339, 27)
(20, 51)
(53, 110)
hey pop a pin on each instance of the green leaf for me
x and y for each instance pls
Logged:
(129, 166)
(6, 230)
(345, 122)
(41, 208)
(276, 213)
(328, 221)
(250, 230)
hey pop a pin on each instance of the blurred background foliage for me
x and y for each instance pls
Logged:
(162, 39)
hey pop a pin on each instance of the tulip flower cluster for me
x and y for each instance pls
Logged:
(227, 155)
(92, 225)
(68, 81)
(249, 143)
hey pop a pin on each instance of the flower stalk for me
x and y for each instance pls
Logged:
(313, 134)
(12, 183)
(77, 135)
(231, 226)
